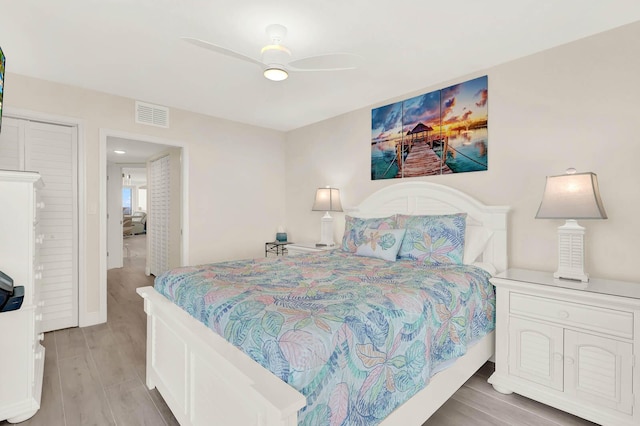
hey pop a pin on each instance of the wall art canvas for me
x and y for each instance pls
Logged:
(386, 139)
(441, 132)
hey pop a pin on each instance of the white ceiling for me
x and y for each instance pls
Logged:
(136, 152)
(132, 47)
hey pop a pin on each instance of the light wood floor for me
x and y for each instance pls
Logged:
(95, 375)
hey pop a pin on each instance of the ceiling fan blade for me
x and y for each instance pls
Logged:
(222, 50)
(327, 62)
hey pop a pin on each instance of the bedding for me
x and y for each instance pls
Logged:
(433, 239)
(358, 336)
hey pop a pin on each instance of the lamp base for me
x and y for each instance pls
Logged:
(571, 252)
(564, 275)
(326, 231)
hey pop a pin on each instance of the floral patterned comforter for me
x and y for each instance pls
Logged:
(357, 336)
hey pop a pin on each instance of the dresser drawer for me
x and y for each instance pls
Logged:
(604, 320)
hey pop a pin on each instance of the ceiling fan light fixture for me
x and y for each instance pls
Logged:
(276, 74)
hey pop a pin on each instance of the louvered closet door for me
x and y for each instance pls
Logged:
(158, 220)
(51, 150)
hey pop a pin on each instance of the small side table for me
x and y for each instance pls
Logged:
(279, 248)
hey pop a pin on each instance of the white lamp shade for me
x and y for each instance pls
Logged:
(571, 196)
(327, 200)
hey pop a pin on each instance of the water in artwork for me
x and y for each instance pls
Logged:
(467, 151)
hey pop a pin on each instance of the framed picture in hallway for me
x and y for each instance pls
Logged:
(440, 132)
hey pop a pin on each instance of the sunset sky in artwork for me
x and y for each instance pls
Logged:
(462, 103)
(386, 122)
(466, 101)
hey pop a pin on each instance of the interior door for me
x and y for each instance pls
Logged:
(158, 215)
(114, 216)
(51, 150)
(164, 223)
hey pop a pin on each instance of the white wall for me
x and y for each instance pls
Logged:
(236, 184)
(576, 105)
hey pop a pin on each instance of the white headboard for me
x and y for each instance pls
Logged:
(430, 198)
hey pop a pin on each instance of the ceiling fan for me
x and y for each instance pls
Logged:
(275, 58)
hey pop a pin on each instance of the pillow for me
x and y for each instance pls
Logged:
(475, 241)
(381, 243)
(433, 239)
(354, 228)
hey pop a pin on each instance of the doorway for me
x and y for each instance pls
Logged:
(128, 222)
(126, 209)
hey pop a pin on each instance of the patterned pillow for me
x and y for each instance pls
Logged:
(381, 244)
(354, 230)
(433, 239)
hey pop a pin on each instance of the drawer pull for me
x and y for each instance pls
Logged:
(563, 314)
(557, 356)
(569, 360)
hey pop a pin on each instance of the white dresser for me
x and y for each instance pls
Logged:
(574, 346)
(21, 354)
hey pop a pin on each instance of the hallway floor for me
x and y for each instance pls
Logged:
(95, 375)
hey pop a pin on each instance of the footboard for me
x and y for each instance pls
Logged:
(204, 379)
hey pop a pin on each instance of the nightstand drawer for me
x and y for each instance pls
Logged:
(296, 249)
(609, 321)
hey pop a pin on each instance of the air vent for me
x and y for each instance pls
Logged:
(153, 115)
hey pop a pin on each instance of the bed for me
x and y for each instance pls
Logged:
(207, 380)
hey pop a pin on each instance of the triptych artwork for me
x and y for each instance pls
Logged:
(444, 131)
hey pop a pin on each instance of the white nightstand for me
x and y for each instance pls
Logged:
(300, 248)
(572, 345)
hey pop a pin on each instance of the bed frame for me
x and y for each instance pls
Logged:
(207, 381)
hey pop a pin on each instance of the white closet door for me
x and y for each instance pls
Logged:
(159, 215)
(11, 144)
(51, 150)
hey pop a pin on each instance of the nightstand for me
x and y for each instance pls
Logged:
(301, 248)
(572, 345)
(279, 248)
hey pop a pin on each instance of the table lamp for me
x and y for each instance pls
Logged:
(571, 196)
(327, 200)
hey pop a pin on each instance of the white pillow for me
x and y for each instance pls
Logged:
(381, 243)
(475, 241)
